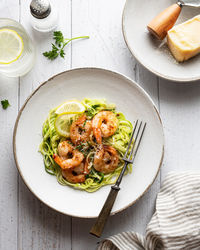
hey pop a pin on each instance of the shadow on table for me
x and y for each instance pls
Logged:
(179, 93)
(167, 91)
(163, 91)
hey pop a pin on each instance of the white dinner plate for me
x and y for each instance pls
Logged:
(78, 84)
(149, 51)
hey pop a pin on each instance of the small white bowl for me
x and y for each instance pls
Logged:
(150, 52)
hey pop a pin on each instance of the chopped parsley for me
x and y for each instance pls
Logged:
(5, 104)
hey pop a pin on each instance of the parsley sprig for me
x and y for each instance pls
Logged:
(58, 47)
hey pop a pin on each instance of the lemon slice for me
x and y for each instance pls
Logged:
(70, 107)
(11, 46)
(63, 123)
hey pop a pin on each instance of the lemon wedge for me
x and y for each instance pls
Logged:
(70, 107)
(63, 123)
(67, 113)
(11, 46)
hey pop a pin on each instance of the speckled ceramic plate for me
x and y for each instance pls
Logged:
(78, 84)
(151, 53)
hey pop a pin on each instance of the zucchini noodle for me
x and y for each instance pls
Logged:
(94, 180)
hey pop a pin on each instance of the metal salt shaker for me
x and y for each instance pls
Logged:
(44, 18)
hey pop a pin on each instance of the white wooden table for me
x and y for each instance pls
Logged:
(26, 223)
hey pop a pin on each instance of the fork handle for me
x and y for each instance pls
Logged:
(98, 226)
(163, 22)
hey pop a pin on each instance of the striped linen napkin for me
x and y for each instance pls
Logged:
(176, 222)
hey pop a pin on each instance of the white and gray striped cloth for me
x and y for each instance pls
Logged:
(176, 222)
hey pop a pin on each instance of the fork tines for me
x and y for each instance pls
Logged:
(134, 142)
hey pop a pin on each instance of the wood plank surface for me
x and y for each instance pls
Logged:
(8, 172)
(25, 222)
(106, 48)
(180, 112)
(39, 226)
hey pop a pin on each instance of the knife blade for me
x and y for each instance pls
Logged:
(191, 3)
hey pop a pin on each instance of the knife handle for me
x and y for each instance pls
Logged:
(164, 21)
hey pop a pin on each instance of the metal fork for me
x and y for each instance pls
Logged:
(128, 158)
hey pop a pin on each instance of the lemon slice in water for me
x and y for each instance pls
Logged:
(11, 46)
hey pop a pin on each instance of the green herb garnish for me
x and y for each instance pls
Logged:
(95, 106)
(89, 144)
(5, 104)
(58, 47)
(80, 146)
(90, 112)
(70, 143)
(84, 123)
(96, 175)
(84, 148)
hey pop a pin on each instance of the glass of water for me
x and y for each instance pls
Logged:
(20, 56)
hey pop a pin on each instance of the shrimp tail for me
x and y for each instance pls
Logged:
(97, 134)
(58, 160)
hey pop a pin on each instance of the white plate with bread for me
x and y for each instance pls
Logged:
(163, 57)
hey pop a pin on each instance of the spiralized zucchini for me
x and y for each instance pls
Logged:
(94, 180)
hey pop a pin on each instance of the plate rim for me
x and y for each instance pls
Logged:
(175, 79)
(46, 82)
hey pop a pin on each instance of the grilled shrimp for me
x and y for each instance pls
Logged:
(74, 175)
(106, 159)
(68, 157)
(80, 130)
(104, 124)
